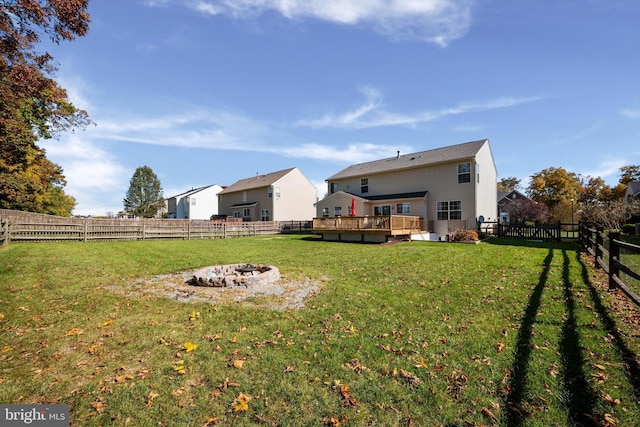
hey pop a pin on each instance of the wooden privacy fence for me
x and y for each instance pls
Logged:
(24, 227)
(608, 252)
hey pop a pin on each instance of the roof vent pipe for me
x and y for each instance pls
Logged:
(398, 154)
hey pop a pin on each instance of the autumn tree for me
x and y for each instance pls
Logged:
(558, 189)
(508, 184)
(144, 197)
(523, 210)
(32, 105)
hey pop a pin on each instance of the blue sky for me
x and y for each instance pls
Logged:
(213, 91)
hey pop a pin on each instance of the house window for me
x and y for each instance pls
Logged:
(325, 212)
(382, 210)
(464, 173)
(270, 192)
(337, 211)
(236, 214)
(244, 196)
(364, 185)
(264, 215)
(455, 209)
(449, 210)
(246, 212)
(478, 172)
(277, 191)
(193, 201)
(403, 208)
(333, 187)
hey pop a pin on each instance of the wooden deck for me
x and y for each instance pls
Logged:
(367, 228)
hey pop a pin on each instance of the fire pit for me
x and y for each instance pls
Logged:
(221, 276)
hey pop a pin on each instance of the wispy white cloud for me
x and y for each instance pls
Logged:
(434, 21)
(352, 153)
(631, 114)
(372, 114)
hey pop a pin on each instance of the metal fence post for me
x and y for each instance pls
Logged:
(614, 257)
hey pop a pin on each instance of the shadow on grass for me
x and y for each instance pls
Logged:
(581, 398)
(629, 358)
(517, 384)
(568, 245)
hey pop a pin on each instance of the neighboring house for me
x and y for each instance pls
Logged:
(633, 190)
(277, 196)
(506, 201)
(450, 188)
(197, 203)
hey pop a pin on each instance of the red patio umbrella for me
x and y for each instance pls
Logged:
(353, 206)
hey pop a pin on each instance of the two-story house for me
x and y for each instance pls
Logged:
(449, 188)
(197, 203)
(277, 196)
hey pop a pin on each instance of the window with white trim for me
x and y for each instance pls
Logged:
(464, 173)
(364, 185)
(333, 187)
(193, 201)
(244, 196)
(403, 208)
(449, 210)
(337, 211)
(264, 215)
(246, 212)
(270, 192)
(325, 212)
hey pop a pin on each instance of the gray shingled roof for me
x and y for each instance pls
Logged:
(635, 187)
(405, 161)
(257, 181)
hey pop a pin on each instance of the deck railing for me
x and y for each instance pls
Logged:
(393, 224)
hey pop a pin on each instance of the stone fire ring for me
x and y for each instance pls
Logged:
(230, 275)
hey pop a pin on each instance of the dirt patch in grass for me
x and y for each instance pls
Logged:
(282, 294)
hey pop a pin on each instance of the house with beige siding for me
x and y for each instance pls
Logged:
(448, 189)
(278, 196)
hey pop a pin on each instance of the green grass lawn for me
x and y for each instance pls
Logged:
(415, 333)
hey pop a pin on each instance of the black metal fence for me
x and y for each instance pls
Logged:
(619, 259)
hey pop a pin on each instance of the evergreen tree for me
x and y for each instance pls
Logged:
(145, 196)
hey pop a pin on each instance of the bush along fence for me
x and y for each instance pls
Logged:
(24, 227)
(609, 252)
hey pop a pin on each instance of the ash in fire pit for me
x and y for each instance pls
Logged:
(220, 276)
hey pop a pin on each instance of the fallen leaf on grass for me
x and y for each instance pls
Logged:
(189, 346)
(241, 403)
(501, 347)
(179, 369)
(421, 363)
(413, 379)
(213, 337)
(122, 378)
(238, 363)
(210, 421)
(105, 324)
(99, 405)
(487, 413)
(611, 400)
(150, 398)
(73, 331)
(348, 400)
